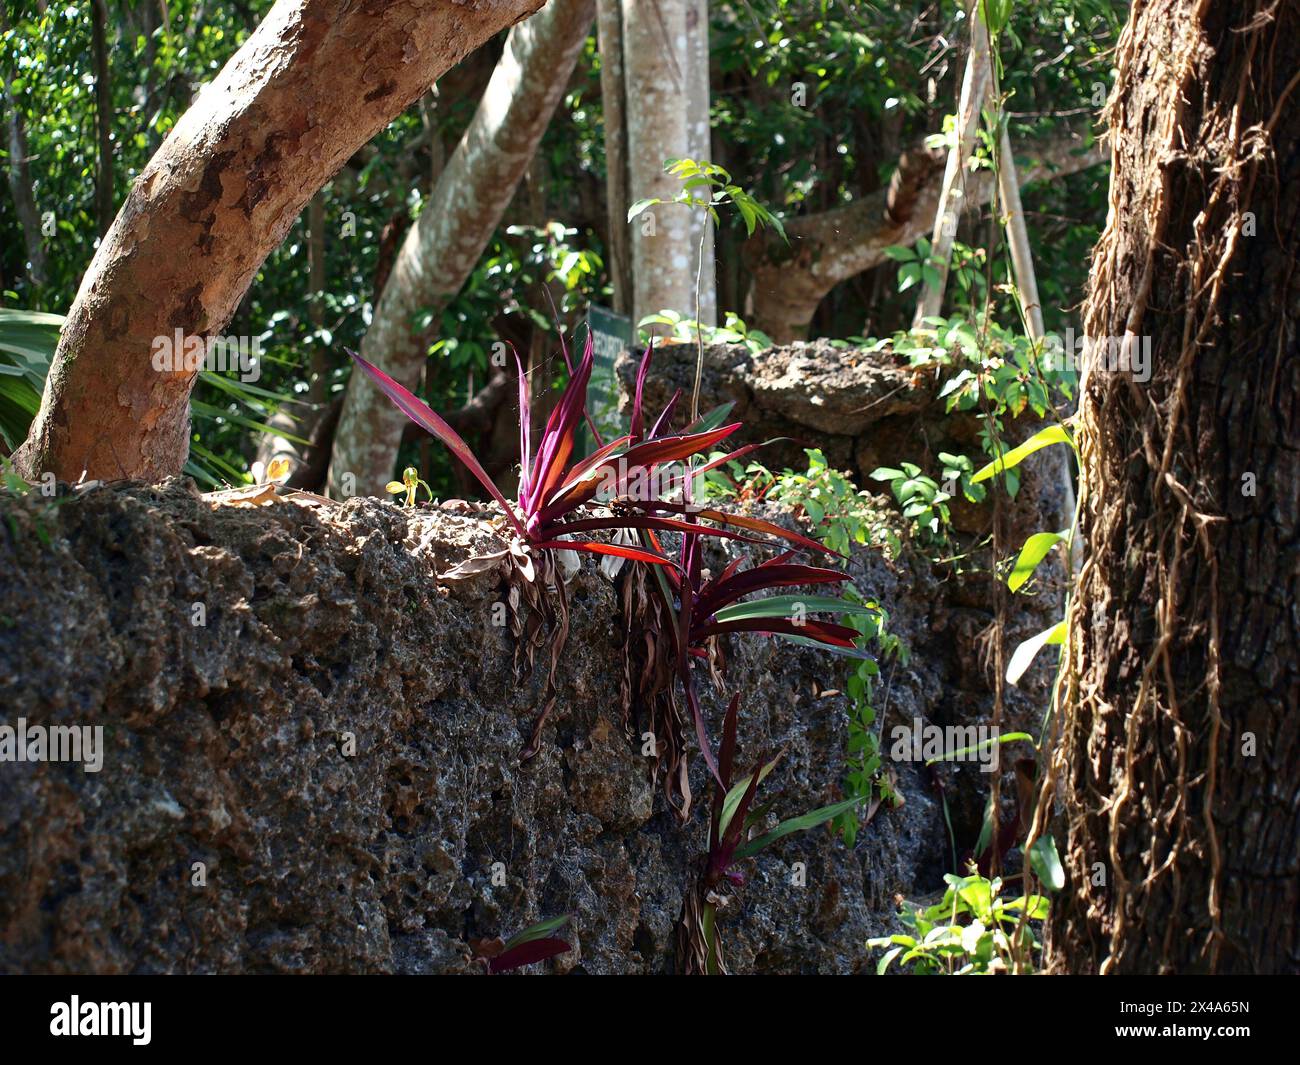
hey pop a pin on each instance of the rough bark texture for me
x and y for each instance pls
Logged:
(832, 246)
(225, 746)
(656, 55)
(1179, 765)
(442, 248)
(314, 82)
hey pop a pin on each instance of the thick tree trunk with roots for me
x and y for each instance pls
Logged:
(1178, 765)
(441, 250)
(313, 83)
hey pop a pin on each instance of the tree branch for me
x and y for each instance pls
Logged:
(315, 81)
(832, 246)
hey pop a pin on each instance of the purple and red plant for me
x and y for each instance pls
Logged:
(563, 500)
(532, 945)
(730, 842)
(553, 483)
(705, 609)
(675, 614)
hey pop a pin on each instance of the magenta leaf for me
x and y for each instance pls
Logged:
(534, 950)
(423, 415)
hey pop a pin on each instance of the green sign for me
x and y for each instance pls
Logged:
(611, 335)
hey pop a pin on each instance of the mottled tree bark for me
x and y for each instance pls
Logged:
(441, 250)
(790, 280)
(699, 146)
(313, 83)
(1179, 757)
(655, 59)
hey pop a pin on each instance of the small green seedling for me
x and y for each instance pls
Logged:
(409, 483)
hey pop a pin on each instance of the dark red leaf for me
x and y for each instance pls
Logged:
(526, 953)
(822, 631)
(662, 524)
(637, 457)
(724, 591)
(634, 553)
(424, 416)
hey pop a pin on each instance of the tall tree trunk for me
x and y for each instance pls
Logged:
(655, 58)
(1179, 759)
(699, 144)
(618, 253)
(441, 249)
(20, 186)
(312, 84)
(103, 117)
(1022, 256)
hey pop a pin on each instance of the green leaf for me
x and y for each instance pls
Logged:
(708, 422)
(1034, 551)
(997, 13)
(781, 606)
(1045, 437)
(1026, 652)
(1009, 737)
(32, 335)
(843, 652)
(1038, 906)
(538, 931)
(640, 206)
(209, 411)
(1046, 863)
(737, 793)
(797, 824)
(986, 830)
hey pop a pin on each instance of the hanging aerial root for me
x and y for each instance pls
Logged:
(1142, 771)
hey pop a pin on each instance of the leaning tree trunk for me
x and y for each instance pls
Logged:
(1179, 760)
(974, 87)
(313, 83)
(441, 250)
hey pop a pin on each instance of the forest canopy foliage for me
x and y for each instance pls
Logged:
(812, 105)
